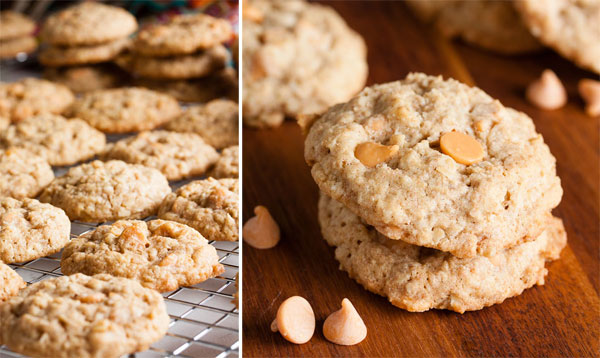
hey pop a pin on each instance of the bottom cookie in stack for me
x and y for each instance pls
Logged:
(418, 279)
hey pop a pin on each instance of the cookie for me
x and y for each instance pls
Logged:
(182, 35)
(220, 84)
(228, 164)
(23, 174)
(11, 48)
(83, 316)
(162, 255)
(571, 27)
(176, 155)
(30, 230)
(180, 67)
(298, 58)
(88, 23)
(31, 96)
(55, 56)
(107, 191)
(418, 279)
(411, 190)
(81, 79)
(124, 110)
(216, 121)
(4, 123)
(491, 25)
(209, 206)
(14, 25)
(10, 282)
(59, 140)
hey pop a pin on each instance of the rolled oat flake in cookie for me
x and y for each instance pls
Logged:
(436, 163)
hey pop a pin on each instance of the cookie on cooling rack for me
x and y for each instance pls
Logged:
(23, 174)
(228, 164)
(10, 282)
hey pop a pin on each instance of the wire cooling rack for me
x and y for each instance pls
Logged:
(204, 320)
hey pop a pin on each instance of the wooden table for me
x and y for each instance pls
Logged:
(561, 318)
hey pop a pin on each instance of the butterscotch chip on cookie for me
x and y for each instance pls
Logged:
(14, 25)
(31, 96)
(69, 56)
(162, 255)
(176, 155)
(571, 27)
(81, 79)
(13, 47)
(411, 190)
(4, 123)
(418, 279)
(83, 316)
(23, 174)
(228, 164)
(124, 110)
(10, 282)
(107, 191)
(180, 67)
(209, 206)
(216, 121)
(30, 230)
(492, 25)
(61, 141)
(181, 35)
(88, 23)
(298, 58)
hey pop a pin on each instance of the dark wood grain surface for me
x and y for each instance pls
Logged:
(561, 318)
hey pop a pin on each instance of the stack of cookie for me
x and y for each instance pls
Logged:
(16, 34)
(435, 194)
(82, 35)
(186, 47)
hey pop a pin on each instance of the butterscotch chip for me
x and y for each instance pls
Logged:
(176, 155)
(421, 195)
(107, 191)
(31, 96)
(345, 327)
(13, 47)
(83, 316)
(15, 25)
(81, 79)
(161, 255)
(30, 230)
(124, 110)
(88, 23)
(461, 147)
(4, 123)
(10, 282)
(228, 164)
(209, 206)
(23, 174)
(261, 231)
(590, 92)
(59, 140)
(81, 55)
(371, 154)
(547, 92)
(182, 35)
(417, 278)
(216, 121)
(295, 320)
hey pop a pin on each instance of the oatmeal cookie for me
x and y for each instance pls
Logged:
(162, 255)
(182, 35)
(55, 56)
(81, 79)
(209, 206)
(31, 96)
(30, 230)
(107, 191)
(15, 25)
(571, 27)
(88, 23)
(61, 141)
(228, 164)
(298, 58)
(23, 174)
(10, 282)
(418, 279)
(421, 195)
(83, 316)
(216, 121)
(11, 48)
(124, 110)
(176, 155)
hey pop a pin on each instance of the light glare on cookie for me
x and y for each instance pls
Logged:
(371, 154)
(295, 320)
(463, 148)
(345, 327)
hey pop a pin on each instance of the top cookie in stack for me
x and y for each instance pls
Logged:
(16, 34)
(464, 182)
